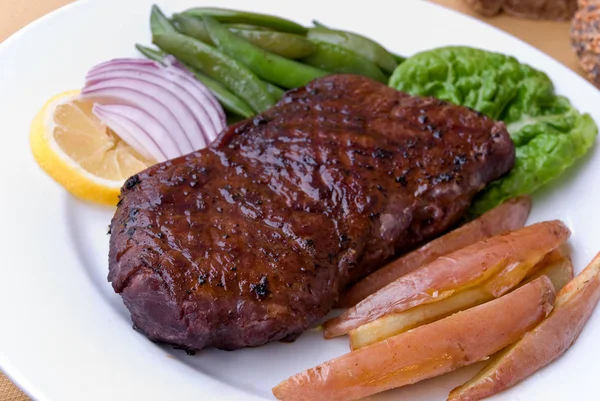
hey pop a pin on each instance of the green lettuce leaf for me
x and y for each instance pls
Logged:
(549, 134)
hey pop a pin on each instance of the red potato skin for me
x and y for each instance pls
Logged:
(457, 270)
(544, 344)
(427, 351)
(509, 216)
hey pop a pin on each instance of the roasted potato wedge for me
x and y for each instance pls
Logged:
(427, 351)
(556, 266)
(547, 342)
(498, 264)
(509, 216)
(391, 325)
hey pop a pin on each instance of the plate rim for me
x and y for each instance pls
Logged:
(18, 377)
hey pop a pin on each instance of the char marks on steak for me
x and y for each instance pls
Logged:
(252, 239)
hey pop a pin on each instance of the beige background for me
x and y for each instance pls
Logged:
(550, 37)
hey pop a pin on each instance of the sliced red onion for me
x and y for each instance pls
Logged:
(190, 99)
(139, 100)
(180, 68)
(127, 122)
(171, 60)
(120, 61)
(173, 104)
(162, 111)
(216, 113)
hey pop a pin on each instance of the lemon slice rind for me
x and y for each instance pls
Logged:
(59, 165)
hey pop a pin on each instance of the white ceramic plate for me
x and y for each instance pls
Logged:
(64, 334)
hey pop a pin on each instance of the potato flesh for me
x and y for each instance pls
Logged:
(427, 351)
(508, 257)
(509, 216)
(391, 325)
(547, 342)
(558, 268)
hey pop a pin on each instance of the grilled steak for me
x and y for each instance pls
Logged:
(252, 239)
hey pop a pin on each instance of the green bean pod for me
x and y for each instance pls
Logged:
(275, 91)
(213, 63)
(356, 43)
(231, 102)
(248, 27)
(228, 100)
(233, 75)
(338, 59)
(284, 44)
(192, 26)
(159, 23)
(241, 17)
(271, 67)
(399, 59)
(233, 119)
(152, 54)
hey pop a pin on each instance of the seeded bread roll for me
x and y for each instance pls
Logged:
(559, 10)
(486, 7)
(585, 38)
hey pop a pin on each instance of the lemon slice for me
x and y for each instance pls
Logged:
(80, 152)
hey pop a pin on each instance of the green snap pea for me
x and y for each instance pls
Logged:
(248, 27)
(159, 23)
(356, 43)
(228, 100)
(192, 26)
(275, 91)
(233, 75)
(213, 63)
(284, 44)
(271, 67)
(399, 59)
(152, 54)
(338, 59)
(240, 17)
(231, 102)
(233, 119)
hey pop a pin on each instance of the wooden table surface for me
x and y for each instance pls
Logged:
(550, 37)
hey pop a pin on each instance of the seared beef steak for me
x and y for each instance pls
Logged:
(252, 239)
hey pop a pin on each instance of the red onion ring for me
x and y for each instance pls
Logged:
(161, 111)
